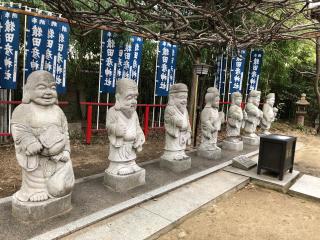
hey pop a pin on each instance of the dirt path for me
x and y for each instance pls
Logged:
(252, 214)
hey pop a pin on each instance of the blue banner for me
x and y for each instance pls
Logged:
(166, 67)
(220, 76)
(37, 31)
(62, 56)
(52, 47)
(9, 49)
(119, 60)
(236, 73)
(254, 70)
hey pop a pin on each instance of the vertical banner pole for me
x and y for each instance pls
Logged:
(160, 111)
(155, 86)
(227, 111)
(225, 80)
(24, 52)
(107, 110)
(248, 79)
(10, 108)
(98, 108)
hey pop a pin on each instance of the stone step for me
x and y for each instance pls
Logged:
(154, 217)
(307, 186)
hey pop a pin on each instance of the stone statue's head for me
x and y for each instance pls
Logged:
(126, 96)
(254, 97)
(178, 96)
(236, 98)
(212, 97)
(40, 89)
(270, 99)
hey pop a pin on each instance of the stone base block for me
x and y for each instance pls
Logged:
(210, 154)
(233, 146)
(176, 165)
(124, 183)
(39, 211)
(253, 141)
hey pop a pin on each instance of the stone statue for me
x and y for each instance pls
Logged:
(252, 118)
(178, 130)
(40, 132)
(233, 139)
(126, 138)
(211, 121)
(269, 114)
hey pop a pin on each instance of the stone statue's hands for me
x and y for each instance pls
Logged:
(33, 148)
(188, 138)
(179, 123)
(138, 143)
(121, 130)
(65, 156)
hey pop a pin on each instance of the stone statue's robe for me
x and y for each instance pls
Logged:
(42, 172)
(268, 116)
(234, 122)
(253, 118)
(177, 127)
(123, 149)
(210, 125)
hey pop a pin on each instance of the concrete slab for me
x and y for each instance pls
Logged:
(152, 218)
(266, 179)
(92, 202)
(307, 186)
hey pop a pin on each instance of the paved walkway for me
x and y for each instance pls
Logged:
(150, 219)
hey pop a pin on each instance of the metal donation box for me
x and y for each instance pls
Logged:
(276, 154)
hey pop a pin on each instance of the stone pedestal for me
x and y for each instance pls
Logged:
(210, 154)
(39, 211)
(233, 146)
(119, 183)
(176, 165)
(253, 141)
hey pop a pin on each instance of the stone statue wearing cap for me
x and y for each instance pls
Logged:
(126, 138)
(269, 114)
(40, 132)
(178, 129)
(211, 121)
(233, 139)
(252, 118)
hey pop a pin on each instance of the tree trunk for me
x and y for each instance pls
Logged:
(316, 79)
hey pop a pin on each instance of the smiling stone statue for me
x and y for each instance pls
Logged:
(126, 138)
(178, 130)
(40, 132)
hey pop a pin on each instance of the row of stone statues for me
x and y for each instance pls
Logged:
(40, 132)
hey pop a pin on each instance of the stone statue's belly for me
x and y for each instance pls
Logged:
(44, 118)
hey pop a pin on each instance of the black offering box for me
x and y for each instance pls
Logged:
(276, 154)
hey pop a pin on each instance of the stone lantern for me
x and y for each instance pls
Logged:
(301, 111)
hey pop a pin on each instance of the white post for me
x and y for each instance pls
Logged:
(229, 82)
(155, 85)
(159, 121)
(24, 52)
(248, 79)
(98, 108)
(107, 110)
(10, 108)
(225, 81)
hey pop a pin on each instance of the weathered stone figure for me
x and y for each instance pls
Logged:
(126, 137)
(211, 121)
(269, 114)
(40, 132)
(233, 139)
(178, 129)
(252, 118)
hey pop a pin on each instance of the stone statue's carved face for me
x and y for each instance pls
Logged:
(128, 101)
(237, 101)
(44, 93)
(254, 100)
(215, 101)
(271, 101)
(180, 100)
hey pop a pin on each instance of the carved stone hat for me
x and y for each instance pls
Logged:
(178, 87)
(255, 93)
(270, 95)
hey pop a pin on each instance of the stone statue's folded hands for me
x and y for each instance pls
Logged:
(121, 130)
(33, 148)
